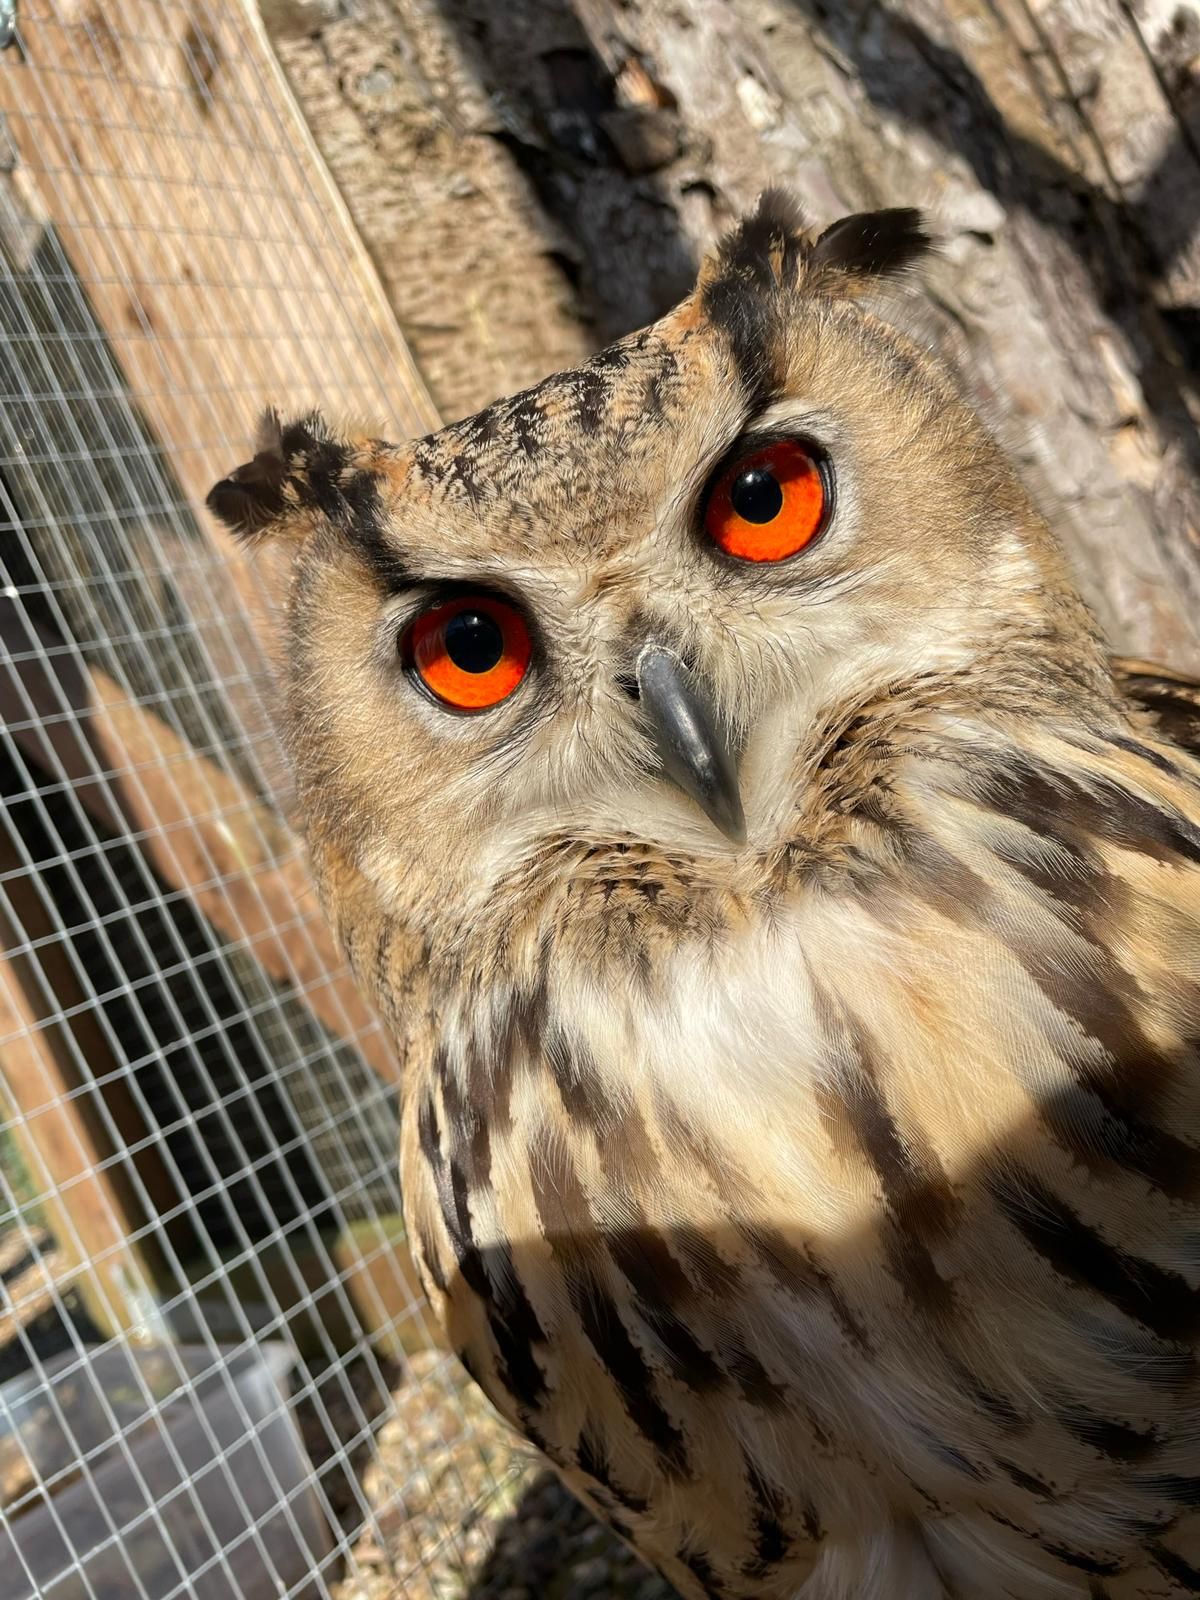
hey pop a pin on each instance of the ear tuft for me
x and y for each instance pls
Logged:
(766, 245)
(875, 244)
(252, 497)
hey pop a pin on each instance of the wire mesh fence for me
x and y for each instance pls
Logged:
(207, 1310)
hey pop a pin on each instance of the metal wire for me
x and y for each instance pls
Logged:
(197, 1157)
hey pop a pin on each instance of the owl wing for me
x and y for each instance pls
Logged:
(1171, 698)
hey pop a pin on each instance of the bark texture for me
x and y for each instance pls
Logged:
(538, 176)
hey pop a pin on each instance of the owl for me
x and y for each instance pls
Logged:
(788, 918)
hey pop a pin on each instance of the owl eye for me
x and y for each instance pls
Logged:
(769, 504)
(470, 652)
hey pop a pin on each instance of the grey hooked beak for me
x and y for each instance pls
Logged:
(691, 743)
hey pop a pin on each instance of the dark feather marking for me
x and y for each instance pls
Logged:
(1095, 1000)
(921, 1203)
(479, 429)
(720, 1279)
(752, 1378)
(629, 1153)
(467, 1120)
(769, 1521)
(1034, 795)
(1179, 704)
(497, 1285)
(614, 358)
(1179, 1488)
(653, 1268)
(350, 499)
(800, 1275)
(640, 1255)
(526, 418)
(1071, 874)
(566, 1217)
(653, 1271)
(658, 382)
(430, 1139)
(1024, 1480)
(1139, 1354)
(1175, 1567)
(768, 245)
(1178, 719)
(571, 1232)
(1111, 1438)
(626, 1365)
(698, 1564)
(306, 456)
(1154, 758)
(1103, 1117)
(578, 1079)
(1096, 1565)
(430, 1258)
(1160, 1300)
(592, 1458)
(727, 1174)
(463, 470)
(538, 1439)
(998, 1406)
(591, 390)
(251, 497)
(516, 1042)
(429, 1133)
(458, 1221)
(383, 951)
(470, 1366)
(1093, 1125)
(874, 243)
(690, 1362)
(750, 322)
(516, 1330)
(951, 1456)
(644, 1258)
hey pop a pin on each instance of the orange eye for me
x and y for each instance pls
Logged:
(769, 504)
(471, 652)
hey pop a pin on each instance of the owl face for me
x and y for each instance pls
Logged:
(630, 608)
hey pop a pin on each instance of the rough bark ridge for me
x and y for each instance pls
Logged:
(535, 177)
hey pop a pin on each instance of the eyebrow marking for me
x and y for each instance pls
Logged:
(350, 499)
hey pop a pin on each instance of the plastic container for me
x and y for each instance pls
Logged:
(203, 1491)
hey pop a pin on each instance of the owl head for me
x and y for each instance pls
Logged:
(662, 621)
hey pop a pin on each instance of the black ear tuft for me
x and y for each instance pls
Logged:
(252, 497)
(765, 246)
(874, 244)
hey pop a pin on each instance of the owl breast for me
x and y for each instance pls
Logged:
(839, 1224)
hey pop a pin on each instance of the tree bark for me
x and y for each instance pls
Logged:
(538, 176)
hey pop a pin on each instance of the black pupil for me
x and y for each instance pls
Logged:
(473, 641)
(756, 495)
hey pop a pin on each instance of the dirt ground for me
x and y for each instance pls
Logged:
(483, 1520)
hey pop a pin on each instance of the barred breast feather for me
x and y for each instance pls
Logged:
(857, 1251)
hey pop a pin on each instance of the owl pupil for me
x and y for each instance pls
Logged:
(756, 495)
(473, 641)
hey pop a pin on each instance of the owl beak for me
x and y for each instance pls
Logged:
(692, 745)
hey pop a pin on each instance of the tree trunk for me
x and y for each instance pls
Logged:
(537, 176)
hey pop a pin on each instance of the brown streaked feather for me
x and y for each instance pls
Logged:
(1171, 699)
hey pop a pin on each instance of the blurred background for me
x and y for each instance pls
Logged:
(216, 1378)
